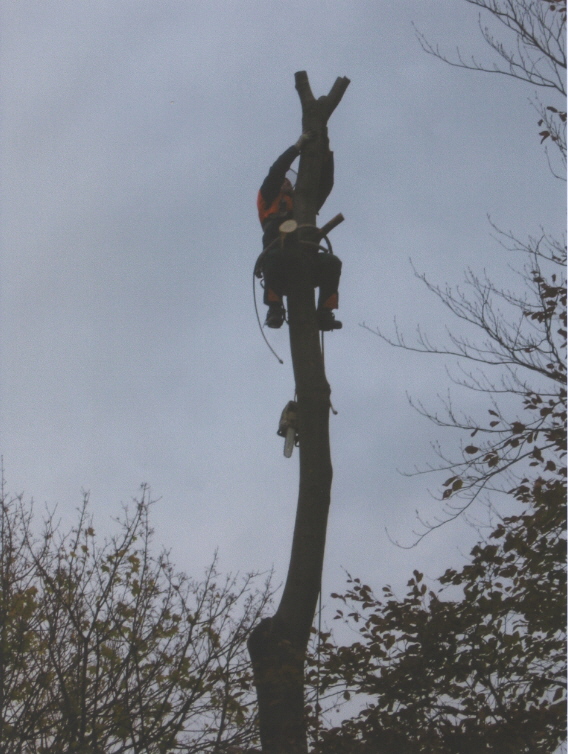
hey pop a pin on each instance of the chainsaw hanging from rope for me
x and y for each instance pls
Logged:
(288, 427)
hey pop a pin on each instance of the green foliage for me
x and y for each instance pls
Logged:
(482, 672)
(105, 648)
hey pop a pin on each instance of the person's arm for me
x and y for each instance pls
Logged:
(273, 182)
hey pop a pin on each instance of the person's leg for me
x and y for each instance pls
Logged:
(274, 274)
(328, 272)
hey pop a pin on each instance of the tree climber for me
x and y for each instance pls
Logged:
(275, 205)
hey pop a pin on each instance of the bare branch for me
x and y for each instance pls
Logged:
(538, 53)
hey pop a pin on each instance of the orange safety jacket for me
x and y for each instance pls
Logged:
(281, 206)
(273, 204)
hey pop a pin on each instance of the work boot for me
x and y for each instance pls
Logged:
(327, 321)
(275, 316)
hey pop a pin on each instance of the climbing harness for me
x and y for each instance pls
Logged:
(288, 226)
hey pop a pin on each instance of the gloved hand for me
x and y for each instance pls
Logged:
(305, 137)
(258, 265)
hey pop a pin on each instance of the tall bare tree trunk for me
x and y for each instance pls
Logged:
(278, 645)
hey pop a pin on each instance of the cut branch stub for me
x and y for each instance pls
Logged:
(330, 225)
(304, 89)
(314, 111)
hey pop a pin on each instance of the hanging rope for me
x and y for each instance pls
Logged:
(259, 322)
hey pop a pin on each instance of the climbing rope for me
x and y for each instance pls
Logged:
(258, 319)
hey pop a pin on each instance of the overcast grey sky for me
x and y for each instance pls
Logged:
(135, 135)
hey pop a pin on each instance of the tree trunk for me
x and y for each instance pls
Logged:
(278, 645)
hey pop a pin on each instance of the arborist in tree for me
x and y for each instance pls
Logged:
(275, 205)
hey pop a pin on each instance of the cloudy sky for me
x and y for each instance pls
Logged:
(135, 135)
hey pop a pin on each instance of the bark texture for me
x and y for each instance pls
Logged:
(278, 644)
